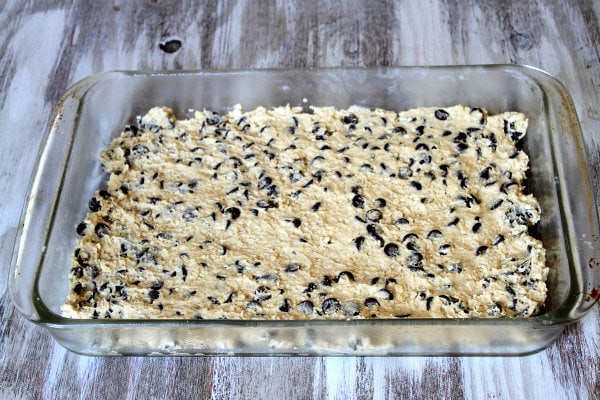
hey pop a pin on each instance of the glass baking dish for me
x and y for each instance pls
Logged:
(94, 111)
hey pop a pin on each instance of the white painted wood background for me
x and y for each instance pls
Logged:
(48, 45)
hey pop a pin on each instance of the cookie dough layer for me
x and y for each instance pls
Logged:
(285, 214)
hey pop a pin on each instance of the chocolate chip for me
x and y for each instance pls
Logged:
(94, 204)
(373, 215)
(434, 234)
(213, 119)
(391, 250)
(81, 228)
(496, 204)
(405, 172)
(485, 173)
(131, 128)
(358, 201)
(330, 306)
(524, 268)
(374, 230)
(148, 225)
(184, 272)
(412, 246)
(267, 277)
(139, 150)
(101, 230)
(453, 222)
(232, 191)
(296, 176)
(346, 274)
(510, 129)
(494, 309)
(359, 219)
(153, 295)
(498, 239)
(379, 202)
(455, 267)
(252, 304)
(264, 182)
(189, 215)
(428, 303)
(409, 236)
(77, 272)
(442, 115)
(311, 287)
(358, 242)
(350, 119)
(317, 159)
(444, 249)
(292, 267)
(306, 306)
(234, 212)
(366, 167)
(266, 204)
(414, 261)
(385, 294)
(285, 306)
(371, 302)
(326, 280)
(78, 288)
(481, 250)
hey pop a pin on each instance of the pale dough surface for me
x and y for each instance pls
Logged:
(287, 214)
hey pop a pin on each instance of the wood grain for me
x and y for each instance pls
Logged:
(48, 45)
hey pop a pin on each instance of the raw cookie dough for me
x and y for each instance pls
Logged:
(286, 214)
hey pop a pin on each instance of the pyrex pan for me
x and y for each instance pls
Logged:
(94, 111)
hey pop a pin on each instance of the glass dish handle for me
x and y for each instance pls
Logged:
(577, 200)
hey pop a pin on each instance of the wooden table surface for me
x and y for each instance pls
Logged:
(48, 45)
